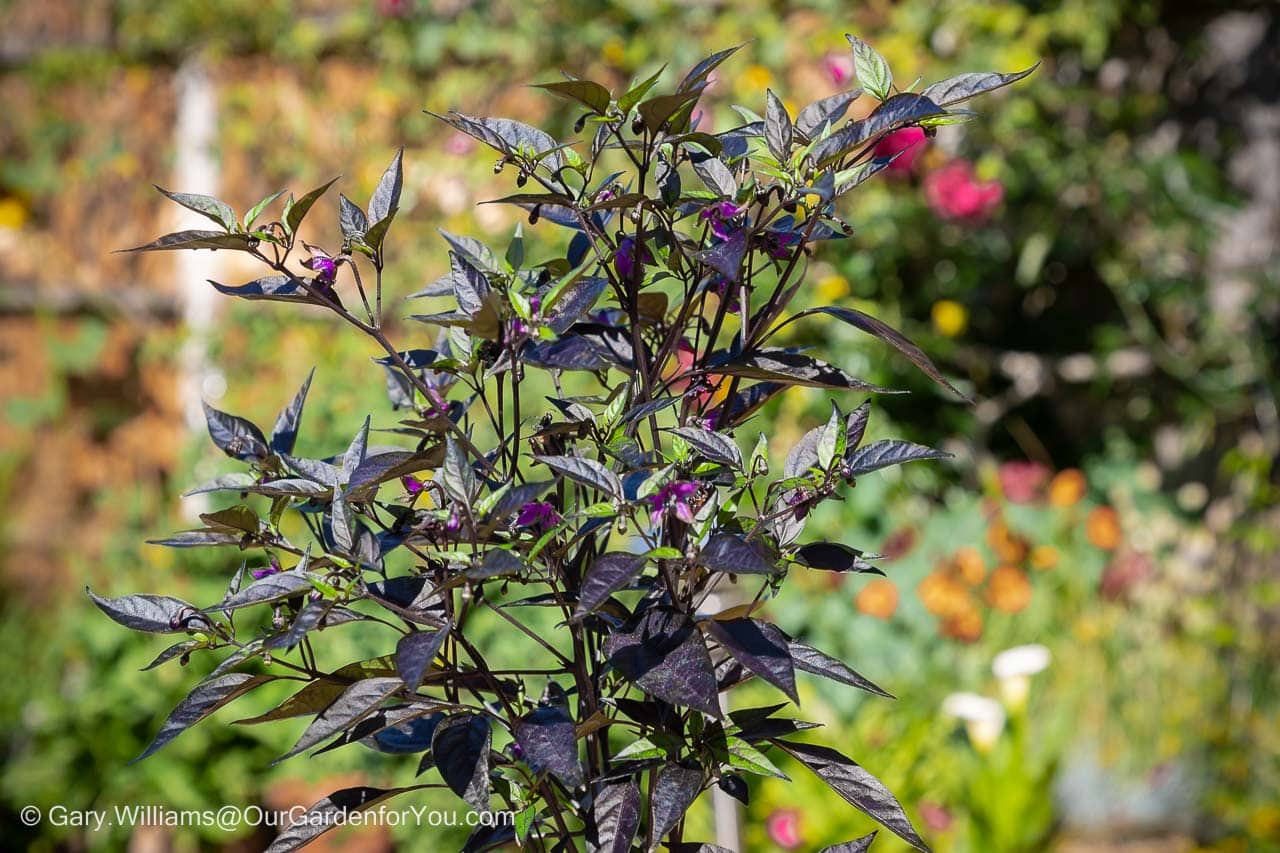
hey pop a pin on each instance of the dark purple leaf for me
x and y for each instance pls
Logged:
(277, 288)
(898, 111)
(964, 86)
(665, 655)
(889, 335)
(155, 614)
(331, 812)
(616, 817)
(207, 206)
(198, 240)
(589, 472)
(546, 737)
(729, 552)
(674, 791)
(460, 747)
(207, 697)
(715, 446)
(809, 659)
(386, 196)
(832, 557)
(793, 368)
(608, 574)
(415, 653)
(351, 219)
(235, 436)
(856, 786)
(829, 110)
(271, 588)
(698, 74)
(285, 432)
(882, 454)
(857, 845)
(777, 127)
(353, 705)
(760, 647)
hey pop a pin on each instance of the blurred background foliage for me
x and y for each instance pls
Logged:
(1094, 258)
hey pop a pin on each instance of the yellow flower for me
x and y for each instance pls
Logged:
(614, 51)
(950, 318)
(12, 213)
(756, 77)
(833, 288)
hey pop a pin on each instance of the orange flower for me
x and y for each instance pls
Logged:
(879, 598)
(1067, 488)
(1009, 546)
(1103, 528)
(942, 594)
(970, 565)
(1044, 557)
(1009, 589)
(965, 625)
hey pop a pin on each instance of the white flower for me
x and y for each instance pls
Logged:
(1014, 668)
(1021, 660)
(983, 718)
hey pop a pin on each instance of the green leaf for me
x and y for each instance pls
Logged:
(297, 211)
(586, 92)
(205, 205)
(631, 98)
(256, 211)
(871, 68)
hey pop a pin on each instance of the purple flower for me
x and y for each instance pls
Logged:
(454, 524)
(673, 496)
(411, 484)
(273, 569)
(723, 288)
(538, 514)
(519, 328)
(721, 216)
(626, 258)
(778, 244)
(325, 267)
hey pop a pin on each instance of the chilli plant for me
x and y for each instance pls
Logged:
(574, 474)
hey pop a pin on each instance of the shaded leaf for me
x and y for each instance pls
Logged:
(832, 557)
(285, 432)
(760, 647)
(546, 736)
(351, 219)
(297, 211)
(793, 368)
(777, 127)
(857, 845)
(729, 552)
(608, 574)
(813, 118)
(460, 747)
(386, 196)
(586, 92)
(665, 655)
(415, 653)
(235, 436)
(272, 288)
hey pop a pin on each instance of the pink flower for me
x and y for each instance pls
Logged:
(675, 497)
(459, 144)
(955, 195)
(935, 816)
(411, 484)
(783, 827)
(839, 67)
(908, 143)
(538, 514)
(1022, 482)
